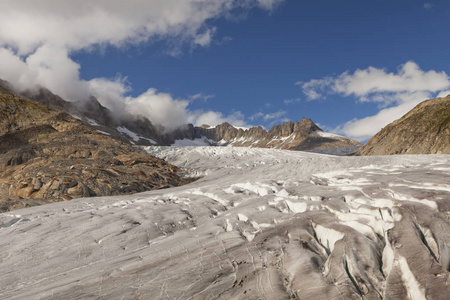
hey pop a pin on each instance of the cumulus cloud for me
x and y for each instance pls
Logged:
(172, 113)
(37, 39)
(27, 24)
(161, 108)
(373, 82)
(213, 118)
(396, 93)
(47, 66)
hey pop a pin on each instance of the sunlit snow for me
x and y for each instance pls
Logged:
(136, 137)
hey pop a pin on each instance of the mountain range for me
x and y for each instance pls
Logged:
(138, 130)
(304, 135)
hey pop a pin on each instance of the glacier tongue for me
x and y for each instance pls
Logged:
(258, 224)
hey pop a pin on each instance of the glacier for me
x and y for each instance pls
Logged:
(257, 224)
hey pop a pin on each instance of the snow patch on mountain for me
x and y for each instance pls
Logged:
(328, 134)
(76, 117)
(103, 132)
(136, 137)
(92, 122)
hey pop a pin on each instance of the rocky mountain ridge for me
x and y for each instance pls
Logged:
(46, 155)
(95, 115)
(138, 130)
(304, 135)
(423, 130)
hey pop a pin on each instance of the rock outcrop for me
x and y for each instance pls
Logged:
(46, 155)
(423, 130)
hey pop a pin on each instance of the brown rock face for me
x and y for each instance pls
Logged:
(46, 156)
(423, 130)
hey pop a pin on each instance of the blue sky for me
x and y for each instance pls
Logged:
(351, 66)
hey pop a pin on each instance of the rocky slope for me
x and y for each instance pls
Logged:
(46, 155)
(423, 130)
(304, 135)
(128, 128)
(133, 129)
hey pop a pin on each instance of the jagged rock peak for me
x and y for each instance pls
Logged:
(306, 125)
(303, 135)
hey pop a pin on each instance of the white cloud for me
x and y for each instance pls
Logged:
(257, 115)
(271, 118)
(443, 94)
(373, 82)
(269, 4)
(200, 96)
(428, 6)
(38, 37)
(110, 92)
(396, 93)
(205, 38)
(213, 118)
(27, 24)
(291, 101)
(315, 88)
(275, 115)
(161, 108)
(47, 66)
(409, 78)
(365, 128)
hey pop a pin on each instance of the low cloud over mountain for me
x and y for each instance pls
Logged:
(37, 40)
